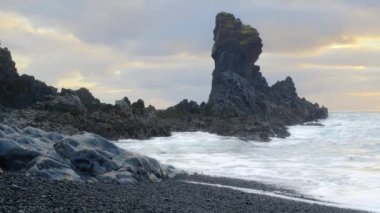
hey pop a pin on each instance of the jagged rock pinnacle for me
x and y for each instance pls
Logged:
(238, 87)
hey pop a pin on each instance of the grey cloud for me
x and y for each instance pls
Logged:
(149, 27)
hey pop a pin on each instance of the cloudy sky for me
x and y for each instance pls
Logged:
(159, 50)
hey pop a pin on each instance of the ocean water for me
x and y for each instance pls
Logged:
(339, 162)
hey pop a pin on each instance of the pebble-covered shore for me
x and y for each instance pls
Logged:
(20, 193)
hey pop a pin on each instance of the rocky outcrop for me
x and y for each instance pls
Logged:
(107, 122)
(238, 87)
(241, 102)
(65, 103)
(88, 100)
(138, 107)
(237, 82)
(19, 91)
(187, 107)
(286, 106)
(124, 107)
(83, 157)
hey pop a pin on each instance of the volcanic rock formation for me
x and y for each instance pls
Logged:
(241, 102)
(238, 87)
(19, 91)
(83, 157)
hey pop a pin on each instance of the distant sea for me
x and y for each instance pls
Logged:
(338, 162)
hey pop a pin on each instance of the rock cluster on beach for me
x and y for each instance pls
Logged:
(241, 102)
(83, 157)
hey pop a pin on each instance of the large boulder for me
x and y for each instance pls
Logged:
(85, 157)
(19, 91)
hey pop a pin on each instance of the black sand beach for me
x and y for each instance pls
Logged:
(30, 194)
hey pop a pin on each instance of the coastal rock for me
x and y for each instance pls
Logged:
(138, 107)
(84, 157)
(88, 100)
(285, 105)
(313, 124)
(66, 103)
(238, 87)
(124, 107)
(8, 69)
(13, 156)
(19, 91)
(186, 106)
(237, 82)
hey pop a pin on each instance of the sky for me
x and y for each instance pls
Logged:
(160, 50)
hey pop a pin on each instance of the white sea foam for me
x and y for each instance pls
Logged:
(339, 162)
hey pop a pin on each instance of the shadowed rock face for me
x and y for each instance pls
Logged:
(238, 87)
(19, 91)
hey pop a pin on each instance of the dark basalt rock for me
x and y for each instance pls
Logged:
(19, 91)
(88, 100)
(237, 81)
(238, 87)
(289, 108)
(186, 106)
(124, 107)
(8, 69)
(66, 103)
(139, 104)
(241, 102)
(138, 107)
(82, 157)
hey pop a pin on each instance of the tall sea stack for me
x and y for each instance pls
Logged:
(238, 87)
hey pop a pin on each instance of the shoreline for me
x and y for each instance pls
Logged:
(265, 189)
(20, 193)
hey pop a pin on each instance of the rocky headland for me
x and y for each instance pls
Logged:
(44, 130)
(241, 102)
